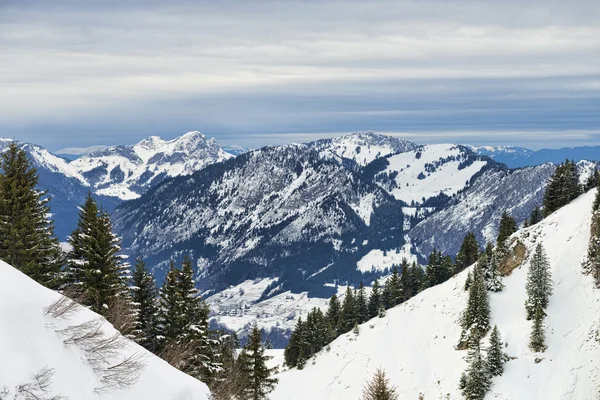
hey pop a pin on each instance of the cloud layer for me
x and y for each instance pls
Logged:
(258, 72)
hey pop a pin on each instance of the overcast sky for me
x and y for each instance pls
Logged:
(253, 72)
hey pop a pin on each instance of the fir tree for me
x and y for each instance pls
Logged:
(508, 226)
(477, 380)
(593, 180)
(563, 187)
(253, 364)
(381, 313)
(536, 216)
(348, 317)
(379, 388)
(356, 329)
(375, 300)
(489, 264)
(537, 340)
(439, 269)
(406, 278)
(592, 263)
(27, 240)
(596, 205)
(468, 253)
(362, 308)
(292, 350)
(170, 316)
(145, 296)
(392, 292)
(468, 281)
(539, 282)
(476, 317)
(333, 314)
(495, 355)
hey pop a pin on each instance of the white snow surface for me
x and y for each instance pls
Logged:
(29, 342)
(380, 260)
(447, 178)
(415, 342)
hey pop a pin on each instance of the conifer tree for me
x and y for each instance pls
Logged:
(468, 253)
(596, 205)
(348, 317)
(593, 180)
(417, 278)
(468, 281)
(333, 314)
(27, 240)
(477, 380)
(537, 340)
(145, 297)
(563, 187)
(495, 355)
(292, 350)
(489, 265)
(375, 300)
(362, 309)
(508, 226)
(100, 277)
(406, 279)
(379, 388)
(539, 282)
(476, 317)
(592, 263)
(392, 292)
(439, 269)
(170, 316)
(253, 364)
(536, 216)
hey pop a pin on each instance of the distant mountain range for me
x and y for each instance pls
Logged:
(518, 157)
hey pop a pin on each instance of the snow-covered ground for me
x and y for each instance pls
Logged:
(33, 341)
(415, 342)
(413, 181)
(380, 260)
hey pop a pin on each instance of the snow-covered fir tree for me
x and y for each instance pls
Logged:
(468, 281)
(489, 264)
(591, 264)
(476, 317)
(375, 300)
(145, 298)
(596, 205)
(468, 253)
(495, 353)
(563, 187)
(539, 282)
(379, 388)
(27, 240)
(538, 338)
(253, 365)
(476, 381)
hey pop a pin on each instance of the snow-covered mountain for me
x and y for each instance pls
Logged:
(518, 157)
(415, 342)
(47, 355)
(126, 172)
(362, 147)
(479, 207)
(280, 212)
(235, 149)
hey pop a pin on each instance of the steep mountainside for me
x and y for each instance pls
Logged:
(478, 208)
(75, 355)
(276, 212)
(517, 157)
(361, 147)
(128, 171)
(423, 359)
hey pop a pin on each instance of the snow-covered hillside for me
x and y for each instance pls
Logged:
(127, 171)
(415, 342)
(428, 171)
(39, 347)
(362, 147)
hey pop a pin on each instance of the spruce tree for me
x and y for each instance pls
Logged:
(406, 278)
(439, 269)
(170, 316)
(596, 205)
(508, 226)
(476, 317)
(495, 355)
(348, 317)
(489, 264)
(292, 350)
(392, 292)
(145, 297)
(468, 253)
(333, 314)
(375, 300)
(253, 364)
(539, 282)
(362, 309)
(27, 240)
(477, 380)
(536, 216)
(537, 340)
(468, 281)
(592, 262)
(593, 180)
(379, 388)
(563, 187)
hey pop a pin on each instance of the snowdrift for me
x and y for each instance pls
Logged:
(47, 354)
(415, 342)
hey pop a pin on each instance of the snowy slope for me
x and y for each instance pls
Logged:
(422, 358)
(127, 171)
(362, 147)
(31, 340)
(429, 170)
